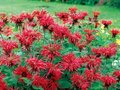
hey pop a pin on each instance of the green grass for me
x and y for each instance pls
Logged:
(18, 6)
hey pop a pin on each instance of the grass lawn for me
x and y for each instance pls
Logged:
(17, 6)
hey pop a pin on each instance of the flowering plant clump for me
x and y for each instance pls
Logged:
(69, 51)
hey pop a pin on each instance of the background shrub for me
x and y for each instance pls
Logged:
(114, 3)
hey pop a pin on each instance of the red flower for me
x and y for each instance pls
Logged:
(81, 45)
(108, 80)
(52, 85)
(70, 62)
(1, 25)
(30, 17)
(51, 51)
(60, 32)
(74, 38)
(106, 23)
(80, 81)
(54, 72)
(96, 13)
(117, 74)
(22, 72)
(8, 46)
(36, 64)
(115, 32)
(46, 21)
(73, 10)
(7, 31)
(3, 85)
(39, 81)
(39, 14)
(4, 17)
(27, 37)
(18, 19)
(105, 51)
(89, 36)
(94, 62)
(9, 60)
(64, 16)
(82, 15)
(91, 75)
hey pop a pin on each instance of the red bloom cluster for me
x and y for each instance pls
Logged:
(106, 23)
(115, 32)
(8, 46)
(1, 25)
(93, 62)
(70, 62)
(4, 17)
(3, 85)
(36, 64)
(108, 80)
(73, 10)
(18, 19)
(51, 51)
(9, 61)
(27, 37)
(39, 81)
(80, 81)
(117, 75)
(60, 32)
(89, 35)
(96, 13)
(105, 51)
(64, 16)
(46, 21)
(22, 72)
(74, 38)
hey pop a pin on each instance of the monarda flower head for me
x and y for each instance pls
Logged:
(74, 38)
(115, 32)
(94, 62)
(8, 46)
(18, 19)
(64, 16)
(117, 75)
(60, 32)
(89, 35)
(54, 71)
(106, 23)
(108, 51)
(3, 85)
(80, 81)
(1, 25)
(96, 13)
(27, 37)
(51, 51)
(36, 64)
(108, 80)
(11, 60)
(4, 17)
(91, 75)
(39, 81)
(70, 62)
(30, 17)
(73, 10)
(22, 72)
(46, 21)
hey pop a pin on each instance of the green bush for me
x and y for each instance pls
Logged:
(114, 3)
(84, 2)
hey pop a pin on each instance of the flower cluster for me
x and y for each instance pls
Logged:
(38, 51)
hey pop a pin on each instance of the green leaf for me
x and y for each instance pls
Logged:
(37, 88)
(64, 83)
(27, 81)
(97, 85)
